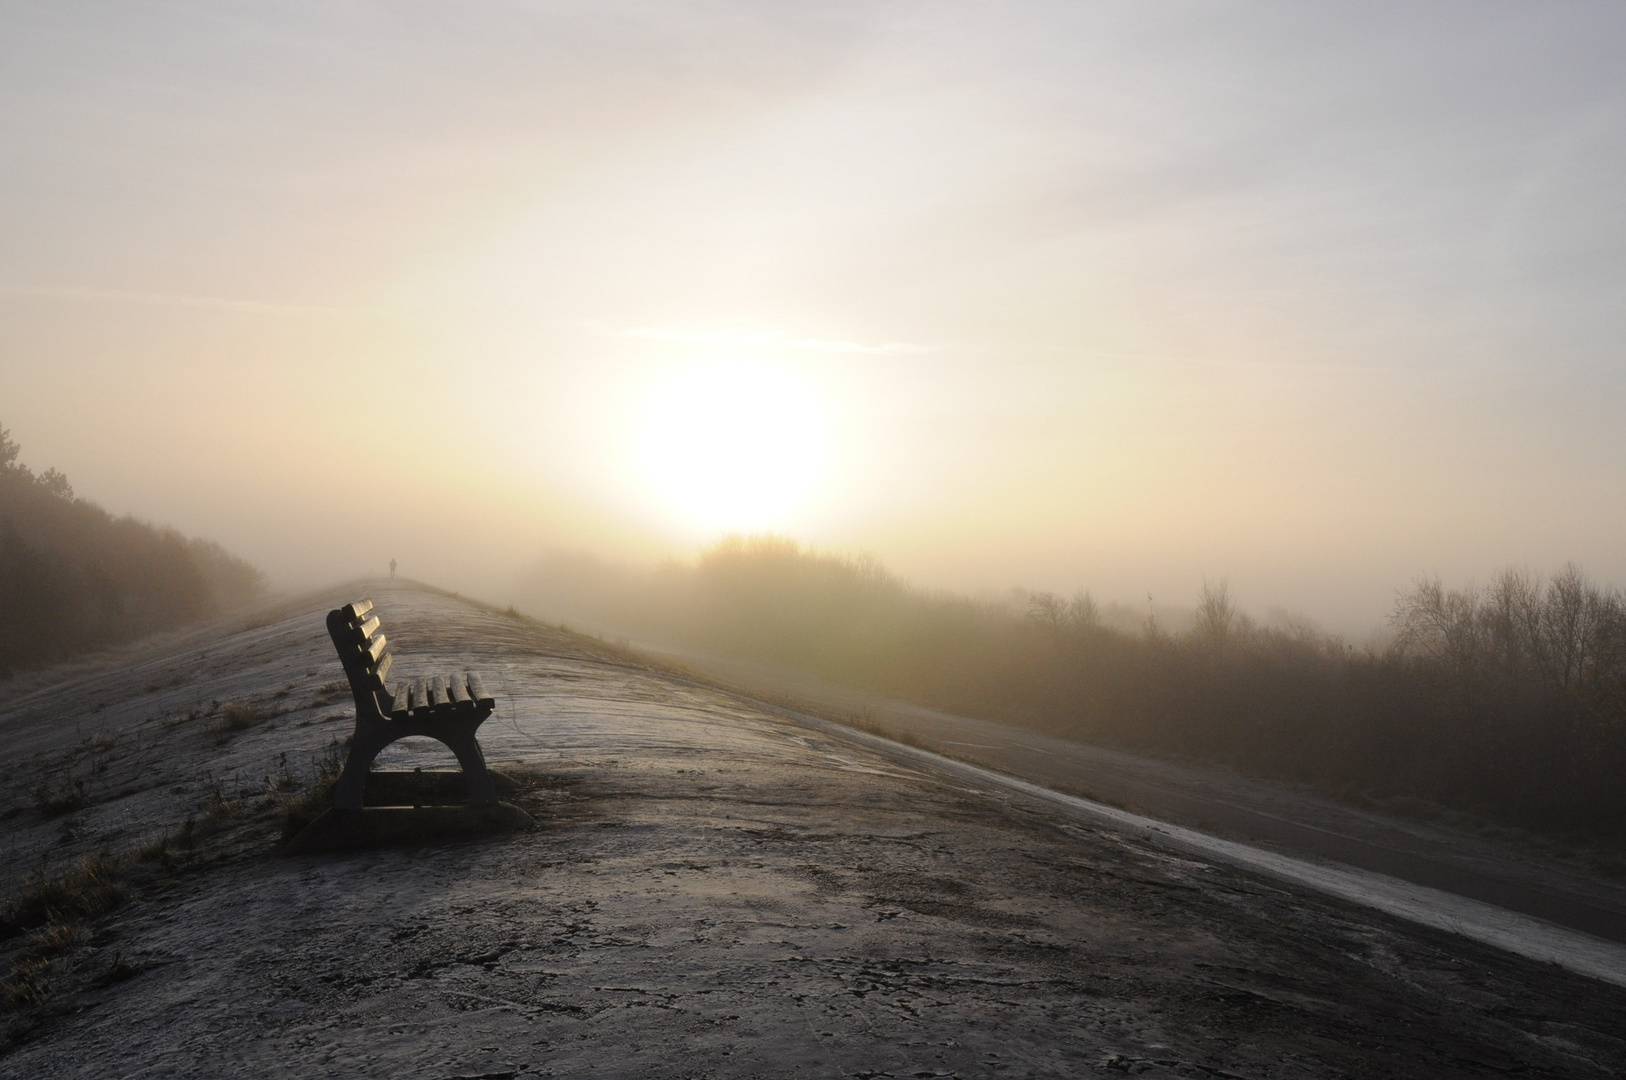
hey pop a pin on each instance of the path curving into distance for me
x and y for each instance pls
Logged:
(1538, 908)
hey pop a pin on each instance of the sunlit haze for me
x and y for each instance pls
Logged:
(1313, 299)
(732, 447)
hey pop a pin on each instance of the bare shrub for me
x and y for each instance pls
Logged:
(1215, 613)
(1063, 616)
(1564, 637)
(1505, 702)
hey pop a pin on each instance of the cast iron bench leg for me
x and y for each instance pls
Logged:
(481, 790)
(371, 737)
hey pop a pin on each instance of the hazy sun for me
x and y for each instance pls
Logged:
(733, 447)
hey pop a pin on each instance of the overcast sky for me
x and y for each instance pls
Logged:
(1117, 296)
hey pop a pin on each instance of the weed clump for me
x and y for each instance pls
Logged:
(64, 796)
(155, 850)
(120, 969)
(29, 984)
(301, 805)
(237, 716)
(91, 889)
(54, 939)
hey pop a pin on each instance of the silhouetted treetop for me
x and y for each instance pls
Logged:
(73, 577)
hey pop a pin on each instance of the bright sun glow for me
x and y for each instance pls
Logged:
(733, 447)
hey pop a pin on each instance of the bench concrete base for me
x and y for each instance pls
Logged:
(380, 826)
(405, 807)
(427, 787)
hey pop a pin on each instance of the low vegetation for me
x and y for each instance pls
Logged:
(48, 923)
(60, 794)
(87, 890)
(73, 577)
(53, 912)
(237, 716)
(1507, 702)
(28, 984)
(300, 801)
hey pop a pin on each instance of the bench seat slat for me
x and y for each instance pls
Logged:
(418, 699)
(437, 692)
(398, 698)
(458, 691)
(477, 691)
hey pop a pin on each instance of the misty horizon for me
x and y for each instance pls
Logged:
(1318, 304)
(581, 605)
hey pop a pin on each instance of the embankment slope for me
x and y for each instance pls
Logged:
(714, 890)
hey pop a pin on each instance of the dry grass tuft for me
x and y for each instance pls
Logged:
(157, 850)
(29, 984)
(120, 969)
(62, 797)
(92, 888)
(238, 716)
(55, 939)
(303, 805)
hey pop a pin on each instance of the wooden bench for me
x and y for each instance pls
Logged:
(448, 708)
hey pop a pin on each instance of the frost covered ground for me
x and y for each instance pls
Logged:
(714, 890)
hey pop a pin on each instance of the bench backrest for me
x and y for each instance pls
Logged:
(364, 652)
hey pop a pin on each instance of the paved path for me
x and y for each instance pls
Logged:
(1272, 816)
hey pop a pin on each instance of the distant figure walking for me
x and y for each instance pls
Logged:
(392, 569)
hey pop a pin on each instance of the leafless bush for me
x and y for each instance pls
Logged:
(1507, 702)
(1216, 615)
(1063, 616)
(1563, 637)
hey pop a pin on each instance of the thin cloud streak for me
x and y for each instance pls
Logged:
(208, 303)
(768, 340)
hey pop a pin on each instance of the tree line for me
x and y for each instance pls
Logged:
(74, 577)
(1507, 701)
